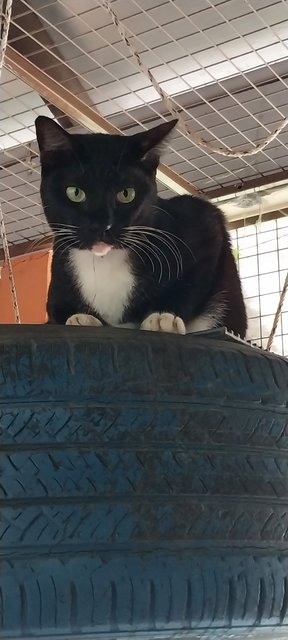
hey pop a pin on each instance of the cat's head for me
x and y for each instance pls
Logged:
(94, 186)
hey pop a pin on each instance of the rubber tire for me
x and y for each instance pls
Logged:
(144, 485)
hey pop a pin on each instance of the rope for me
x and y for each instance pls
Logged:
(278, 313)
(9, 265)
(175, 109)
(6, 9)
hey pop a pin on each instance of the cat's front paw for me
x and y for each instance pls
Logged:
(84, 319)
(166, 322)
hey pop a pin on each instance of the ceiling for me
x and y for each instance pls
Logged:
(224, 63)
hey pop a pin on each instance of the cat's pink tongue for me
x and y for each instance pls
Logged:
(101, 248)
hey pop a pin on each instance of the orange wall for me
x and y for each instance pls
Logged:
(32, 275)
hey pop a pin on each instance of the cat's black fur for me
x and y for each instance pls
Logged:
(204, 282)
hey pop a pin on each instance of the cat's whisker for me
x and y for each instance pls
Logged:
(39, 241)
(64, 232)
(171, 247)
(162, 232)
(61, 242)
(140, 247)
(140, 242)
(167, 237)
(69, 246)
(158, 233)
(150, 242)
(57, 247)
(143, 241)
(63, 226)
(63, 236)
(67, 232)
(127, 245)
(64, 243)
(178, 239)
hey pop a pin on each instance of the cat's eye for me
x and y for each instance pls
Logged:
(75, 194)
(126, 195)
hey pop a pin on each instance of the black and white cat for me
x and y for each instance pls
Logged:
(122, 255)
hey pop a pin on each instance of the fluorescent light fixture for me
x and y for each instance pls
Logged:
(253, 202)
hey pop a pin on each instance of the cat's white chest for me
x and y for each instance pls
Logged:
(105, 283)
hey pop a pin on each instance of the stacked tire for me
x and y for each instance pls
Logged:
(144, 485)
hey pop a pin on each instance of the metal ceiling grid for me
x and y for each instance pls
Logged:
(229, 53)
(56, 70)
(224, 62)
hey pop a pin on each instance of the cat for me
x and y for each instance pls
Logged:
(122, 255)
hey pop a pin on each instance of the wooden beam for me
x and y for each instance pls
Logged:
(24, 248)
(76, 109)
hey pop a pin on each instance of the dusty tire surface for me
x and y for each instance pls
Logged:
(144, 485)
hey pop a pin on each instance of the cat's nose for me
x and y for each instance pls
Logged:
(108, 227)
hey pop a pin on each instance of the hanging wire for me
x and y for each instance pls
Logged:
(6, 9)
(278, 313)
(175, 109)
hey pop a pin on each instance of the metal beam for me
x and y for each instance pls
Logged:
(242, 223)
(253, 183)
(76, 109)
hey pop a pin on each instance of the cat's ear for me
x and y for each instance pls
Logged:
(51, 137)
(150, 143)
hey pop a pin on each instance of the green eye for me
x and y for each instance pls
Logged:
(75, 194)
(126, 195)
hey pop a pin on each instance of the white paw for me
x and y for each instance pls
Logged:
(84, 319)
(164, 322)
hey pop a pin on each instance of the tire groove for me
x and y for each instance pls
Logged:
(262, 595)
(284, 605)
(140, 448)
(23, 608)
(130, 497)
(167, 403)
